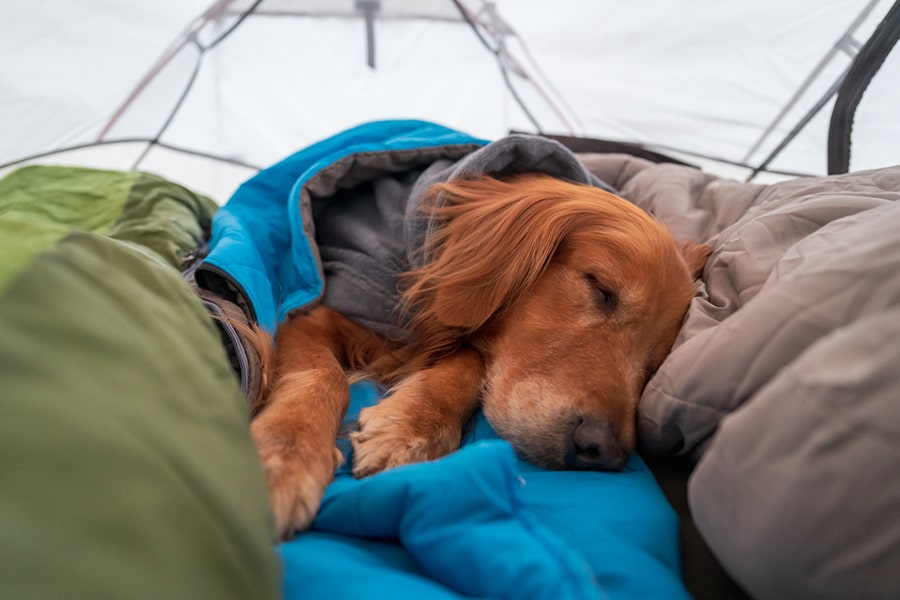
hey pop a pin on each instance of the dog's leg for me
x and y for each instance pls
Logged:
(296, 430)
(422, 419)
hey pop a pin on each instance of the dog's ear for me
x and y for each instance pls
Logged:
(494, 240)
(695, 256)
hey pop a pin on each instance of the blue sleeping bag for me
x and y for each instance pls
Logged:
(336, 223)
(481, 523)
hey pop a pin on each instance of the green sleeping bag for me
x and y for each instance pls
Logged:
(126, 465)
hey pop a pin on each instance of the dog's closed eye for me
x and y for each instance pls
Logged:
(607, 300)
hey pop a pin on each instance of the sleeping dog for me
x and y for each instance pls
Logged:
(546, 303)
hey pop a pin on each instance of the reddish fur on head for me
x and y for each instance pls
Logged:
(516, 269)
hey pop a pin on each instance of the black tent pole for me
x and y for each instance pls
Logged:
(869, 60)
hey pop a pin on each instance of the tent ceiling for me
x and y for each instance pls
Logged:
(705, 78)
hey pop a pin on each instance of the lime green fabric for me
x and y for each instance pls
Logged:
(126, 463)
(86, 199)
(141, 208)
(22, 241)
(164, 217)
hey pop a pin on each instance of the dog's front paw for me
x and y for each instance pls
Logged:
(297, 473)
(391, 435)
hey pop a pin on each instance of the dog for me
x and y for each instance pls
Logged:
(546, 303)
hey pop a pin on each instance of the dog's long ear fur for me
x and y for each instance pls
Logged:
(495, 238)
(493, 241)
(695, 256)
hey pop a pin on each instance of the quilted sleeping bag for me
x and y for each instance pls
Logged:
(784, 385)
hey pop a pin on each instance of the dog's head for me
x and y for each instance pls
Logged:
(574, 297)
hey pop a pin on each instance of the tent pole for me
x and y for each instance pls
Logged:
(845, 43)
(473, 23)
(867, 64)
(369, 8)
(183, 40)
(800, 125)
(173, 112)
(167, 146)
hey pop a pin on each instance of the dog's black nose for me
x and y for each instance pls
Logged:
(595, 446)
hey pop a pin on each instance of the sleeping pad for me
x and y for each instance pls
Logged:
(337, 223)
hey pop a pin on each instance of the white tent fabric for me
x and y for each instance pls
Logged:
(701, 80)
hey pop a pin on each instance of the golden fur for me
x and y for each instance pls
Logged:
(546, 303)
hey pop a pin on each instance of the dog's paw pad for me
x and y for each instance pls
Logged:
(384, 442)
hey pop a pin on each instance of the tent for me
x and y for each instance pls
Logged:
(207, 93)
(776, 406)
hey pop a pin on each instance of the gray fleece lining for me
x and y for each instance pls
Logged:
(364, 214)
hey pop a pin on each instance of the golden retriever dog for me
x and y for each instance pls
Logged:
(548, 304)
